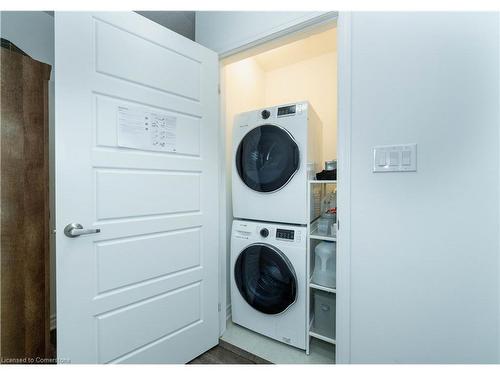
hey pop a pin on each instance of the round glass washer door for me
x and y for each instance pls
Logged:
(265, 279)
(267, 158)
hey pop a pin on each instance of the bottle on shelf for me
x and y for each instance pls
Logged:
(326, 223)
(325, 270)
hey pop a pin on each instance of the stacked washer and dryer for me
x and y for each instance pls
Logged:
(275, 151)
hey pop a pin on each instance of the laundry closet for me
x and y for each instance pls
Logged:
(279, 109)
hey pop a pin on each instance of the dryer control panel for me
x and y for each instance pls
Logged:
(289, 110)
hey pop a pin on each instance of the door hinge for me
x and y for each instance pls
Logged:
(219, 306)
(218, 88)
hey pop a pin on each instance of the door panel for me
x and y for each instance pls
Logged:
(144, 289)
(147, 319)
(265, 279)
(146, 257)
(188, 126)
(146, 193)
(140, 60)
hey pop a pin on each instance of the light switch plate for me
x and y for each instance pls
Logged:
(398, 158)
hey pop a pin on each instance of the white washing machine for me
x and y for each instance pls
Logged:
(268, 280)
(274, 150)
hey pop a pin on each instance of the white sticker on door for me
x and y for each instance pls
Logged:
(146, 130)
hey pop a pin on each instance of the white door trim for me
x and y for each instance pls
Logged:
(298, 28)
(499, 210)
(223, 225)
(343, 22)
(343, 347)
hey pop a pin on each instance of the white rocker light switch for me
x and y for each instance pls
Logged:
(395, 158)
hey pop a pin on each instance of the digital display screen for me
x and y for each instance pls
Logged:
(285, 234)
(285, 111)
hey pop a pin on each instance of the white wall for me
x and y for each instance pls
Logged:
(228, 31)
(315, 80)
(33, 32)
(182, 22)
(425, 245)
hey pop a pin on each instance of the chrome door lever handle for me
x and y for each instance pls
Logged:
(74, 230)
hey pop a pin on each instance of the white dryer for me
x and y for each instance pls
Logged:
(273, 151)
(268, 280)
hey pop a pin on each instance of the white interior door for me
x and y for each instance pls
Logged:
(136, 155)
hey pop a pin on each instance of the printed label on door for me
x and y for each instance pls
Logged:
(146, 130)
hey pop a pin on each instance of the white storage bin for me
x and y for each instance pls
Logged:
(324, 313)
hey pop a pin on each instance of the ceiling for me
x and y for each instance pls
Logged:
(182, 22)
(291, 53)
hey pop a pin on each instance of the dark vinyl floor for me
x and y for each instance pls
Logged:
(227, 354)
(222, 354)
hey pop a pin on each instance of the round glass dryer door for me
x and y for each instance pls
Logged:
(267, 158)
(265, 279)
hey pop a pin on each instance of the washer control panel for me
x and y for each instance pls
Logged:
(264, 232)
(275, 234)
(285, 234)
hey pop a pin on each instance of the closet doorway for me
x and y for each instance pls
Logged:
(301, 66)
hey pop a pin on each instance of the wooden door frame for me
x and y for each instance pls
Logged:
(342, 21)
